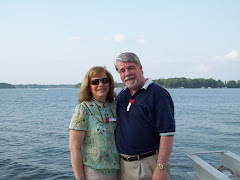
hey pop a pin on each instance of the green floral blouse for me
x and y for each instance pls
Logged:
(98, 149)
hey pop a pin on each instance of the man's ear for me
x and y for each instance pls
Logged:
(141, 68)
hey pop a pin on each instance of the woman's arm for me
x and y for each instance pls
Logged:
(76, 138)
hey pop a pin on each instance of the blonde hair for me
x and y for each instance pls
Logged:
(85, 92)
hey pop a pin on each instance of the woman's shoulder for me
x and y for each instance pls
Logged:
(83, 105)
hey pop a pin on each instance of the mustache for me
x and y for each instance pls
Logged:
(129, 77)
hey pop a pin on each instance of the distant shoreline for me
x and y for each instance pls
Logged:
(46, 88)
(166, 83)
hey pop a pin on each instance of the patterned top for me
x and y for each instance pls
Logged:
(98, 149)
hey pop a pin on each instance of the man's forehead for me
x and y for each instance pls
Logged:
(126, 64)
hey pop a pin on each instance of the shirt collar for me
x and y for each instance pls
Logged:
(146, 84)
(98, 102)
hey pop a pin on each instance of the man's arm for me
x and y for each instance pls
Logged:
(165, 149)
(75, 142)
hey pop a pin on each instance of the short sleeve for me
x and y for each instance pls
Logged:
(165, 115)
(79, 118)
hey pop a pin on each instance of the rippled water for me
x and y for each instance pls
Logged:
(207, 120)
(34, 130)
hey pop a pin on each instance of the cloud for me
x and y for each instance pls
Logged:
(119, 38)
(232, 56)
(75, 38)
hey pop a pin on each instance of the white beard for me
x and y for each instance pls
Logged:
(131, 84)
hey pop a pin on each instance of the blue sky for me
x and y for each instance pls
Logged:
(57, 41)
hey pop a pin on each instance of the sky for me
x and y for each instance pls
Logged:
(58, 41)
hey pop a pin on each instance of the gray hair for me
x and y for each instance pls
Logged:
(127, 57)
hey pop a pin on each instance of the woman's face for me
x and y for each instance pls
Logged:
(99, 86)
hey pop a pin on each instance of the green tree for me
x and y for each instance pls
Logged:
(189, 83)
(232, 84)
(6, 85)
(238, 84)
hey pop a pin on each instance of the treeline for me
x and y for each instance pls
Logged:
(44, 86)
(119, 85)
(167, 83)
(188, 83)
(196, 83)
(6, 86)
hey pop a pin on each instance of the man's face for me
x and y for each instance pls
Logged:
(131, 75)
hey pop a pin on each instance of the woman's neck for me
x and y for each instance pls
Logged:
(101, 99)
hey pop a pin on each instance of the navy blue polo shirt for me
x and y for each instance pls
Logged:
(149, 117)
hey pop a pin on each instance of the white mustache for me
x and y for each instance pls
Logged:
(129, 77)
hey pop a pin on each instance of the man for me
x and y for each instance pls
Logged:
(146, 125)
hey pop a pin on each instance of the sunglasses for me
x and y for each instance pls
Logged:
(97, 81)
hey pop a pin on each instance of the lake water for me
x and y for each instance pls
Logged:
(34, 130)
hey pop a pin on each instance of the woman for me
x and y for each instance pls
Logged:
(91, 139)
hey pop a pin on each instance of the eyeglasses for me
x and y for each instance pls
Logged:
(97, 81)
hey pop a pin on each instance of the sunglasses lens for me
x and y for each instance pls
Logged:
(104, 80)
(97, 81)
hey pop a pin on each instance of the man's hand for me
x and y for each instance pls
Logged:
(159, 174)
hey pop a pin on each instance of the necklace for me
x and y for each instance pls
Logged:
(101, 113)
